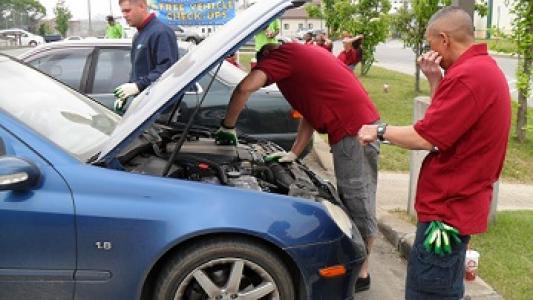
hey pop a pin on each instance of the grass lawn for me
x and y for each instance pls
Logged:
(396, 107)
(506, 260)
(500, 45)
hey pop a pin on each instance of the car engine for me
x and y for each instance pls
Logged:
(244, 166)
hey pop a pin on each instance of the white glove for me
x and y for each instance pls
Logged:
(126, 90)
(282, 156)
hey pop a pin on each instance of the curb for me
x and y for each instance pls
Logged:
(400, 233)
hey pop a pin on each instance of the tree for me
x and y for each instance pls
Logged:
(411, 25)
(44, 29)
(63, 15)
(21, 13)
(367, 17)
(523, 36)
(481, 8)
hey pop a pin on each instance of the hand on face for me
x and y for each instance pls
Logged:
(429, 63)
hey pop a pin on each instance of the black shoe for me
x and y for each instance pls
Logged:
(362, 284)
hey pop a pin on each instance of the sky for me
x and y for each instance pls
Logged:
(79, 8)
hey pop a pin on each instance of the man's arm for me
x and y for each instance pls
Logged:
(165, 53)
(305, 131)
(251, 83)
(403, 136)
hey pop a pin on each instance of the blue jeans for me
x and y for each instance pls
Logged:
(430, 276)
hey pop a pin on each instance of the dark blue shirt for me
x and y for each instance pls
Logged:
(154, 50)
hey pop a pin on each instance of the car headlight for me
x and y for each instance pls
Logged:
(340, 217)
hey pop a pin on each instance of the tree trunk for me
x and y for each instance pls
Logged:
(521, 118)
(418, 51)
(417, 77)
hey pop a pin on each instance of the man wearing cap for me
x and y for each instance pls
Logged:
(466, 128)
(114, 29)
(153, 51)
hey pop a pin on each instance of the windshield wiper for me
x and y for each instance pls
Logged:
(189, 125)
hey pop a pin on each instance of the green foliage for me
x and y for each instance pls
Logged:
(367, 17)
(63, 15)
(21, 13)
(411, 25)
(44, 29)
(523, 36)
(481, 8)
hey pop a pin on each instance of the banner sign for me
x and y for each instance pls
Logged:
(194, 12)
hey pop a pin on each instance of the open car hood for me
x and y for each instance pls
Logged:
(172, 84)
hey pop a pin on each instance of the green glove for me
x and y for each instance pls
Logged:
(281, 157)
(439, 237)
(226, 136)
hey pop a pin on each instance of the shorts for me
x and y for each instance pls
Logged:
(356, 171)
(430, 276)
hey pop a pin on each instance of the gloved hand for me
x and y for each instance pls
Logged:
(226, 136)
(439, 237)
(281, 156)
(122, 93)
(120, 104)
(126, 90)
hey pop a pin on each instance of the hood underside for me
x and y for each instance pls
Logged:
(173, 83)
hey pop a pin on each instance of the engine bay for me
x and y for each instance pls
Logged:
(242, 166)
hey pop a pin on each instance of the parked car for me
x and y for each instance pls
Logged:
(301, 32)
(98, 206)
(96, 67)
(74, 38)
(26, 38)
(53, 37)
(188, 35)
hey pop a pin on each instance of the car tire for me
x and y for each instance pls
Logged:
(32, 43)
(204, 270)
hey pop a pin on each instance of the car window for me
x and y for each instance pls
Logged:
(65, 65)
(112, 69)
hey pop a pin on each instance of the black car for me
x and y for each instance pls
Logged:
(55, 37)
(96, 67)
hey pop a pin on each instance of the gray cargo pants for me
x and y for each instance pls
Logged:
(356, 171)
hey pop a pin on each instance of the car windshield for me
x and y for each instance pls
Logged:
(70, 120)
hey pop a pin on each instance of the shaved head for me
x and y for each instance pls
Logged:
(453, 21)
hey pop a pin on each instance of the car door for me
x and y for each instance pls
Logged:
(68, 65)
(110, 67)
(37, 233)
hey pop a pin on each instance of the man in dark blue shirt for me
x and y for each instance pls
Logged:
(153, 51)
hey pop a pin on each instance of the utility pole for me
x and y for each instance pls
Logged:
(90, 20)
(110, 8)
(489, 18)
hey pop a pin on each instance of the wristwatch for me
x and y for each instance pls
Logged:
(382, 127)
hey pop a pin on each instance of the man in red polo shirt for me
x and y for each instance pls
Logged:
(331, 100)
(466, 128)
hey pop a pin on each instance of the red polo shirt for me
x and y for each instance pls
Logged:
(321, 88)
(468, 120)
(350, 57)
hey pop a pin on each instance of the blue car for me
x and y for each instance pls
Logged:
(94, 205)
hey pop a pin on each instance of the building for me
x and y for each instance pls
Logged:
(502, 18)
(295, 20)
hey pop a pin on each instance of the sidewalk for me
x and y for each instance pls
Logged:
(392, 194)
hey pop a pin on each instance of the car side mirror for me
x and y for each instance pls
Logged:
(17, 174)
